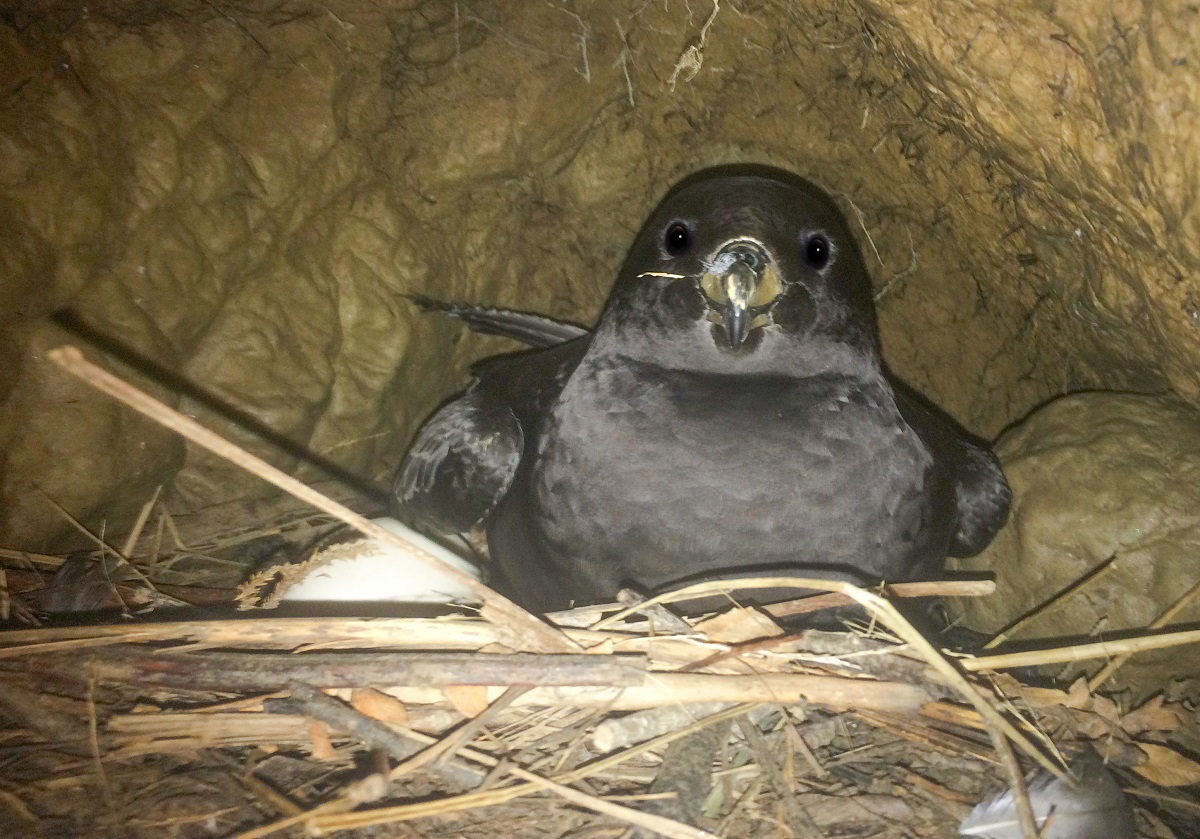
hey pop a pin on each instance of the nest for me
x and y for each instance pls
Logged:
(498, 723)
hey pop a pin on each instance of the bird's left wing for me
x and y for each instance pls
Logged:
(983, 497)
(981, 493)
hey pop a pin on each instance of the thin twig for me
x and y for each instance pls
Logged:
(1162, 620)
(527, 629)
(1053, 603)
(447, 747)
(1081, 652)
(101, 545)
(942, 588)
(136, 531)
(659, 824)
(1016, 781)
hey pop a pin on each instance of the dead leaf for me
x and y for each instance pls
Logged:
(322, 745)
(468, 700)
(1166, 767)
(1154, 715)
(380, 706)
(738, 625)
(1079, 697)
(1092, 726)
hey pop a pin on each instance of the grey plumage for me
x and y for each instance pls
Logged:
(1096, 808)
(729, 415)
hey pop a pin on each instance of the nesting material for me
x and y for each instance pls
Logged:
(244, 193)
(158, 692)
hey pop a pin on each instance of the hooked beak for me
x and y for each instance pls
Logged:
(740, 284)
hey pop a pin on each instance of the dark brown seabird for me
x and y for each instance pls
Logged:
(728, 416)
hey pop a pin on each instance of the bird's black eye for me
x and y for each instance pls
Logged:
(817, 250)
(677, 239)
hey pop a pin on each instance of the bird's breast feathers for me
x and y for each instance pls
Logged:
(699, 466)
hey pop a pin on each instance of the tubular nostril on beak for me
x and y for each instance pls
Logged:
(749, 254)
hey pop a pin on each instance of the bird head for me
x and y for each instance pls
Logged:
(749, 266)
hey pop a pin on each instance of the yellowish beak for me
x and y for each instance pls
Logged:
(740, 284)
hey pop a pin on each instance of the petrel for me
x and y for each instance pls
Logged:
(728, 416)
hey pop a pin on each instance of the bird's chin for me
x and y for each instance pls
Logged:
(752, 341)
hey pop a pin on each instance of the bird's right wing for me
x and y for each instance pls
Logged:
(460, 465)
(466, 455)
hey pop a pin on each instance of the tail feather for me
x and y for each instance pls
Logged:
(534, 330)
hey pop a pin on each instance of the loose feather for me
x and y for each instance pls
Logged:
(1095, 809)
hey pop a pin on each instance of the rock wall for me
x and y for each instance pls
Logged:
(1104, 532)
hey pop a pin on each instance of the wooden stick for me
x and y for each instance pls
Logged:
(1016, 781)
(266, 632)
(618, 732)
(263, 672)
(33, 586)
(1081, 652)
(685, 688)
(944, 588)
(528, 631)
(639, 689)
(331, 633)
(337, 714)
